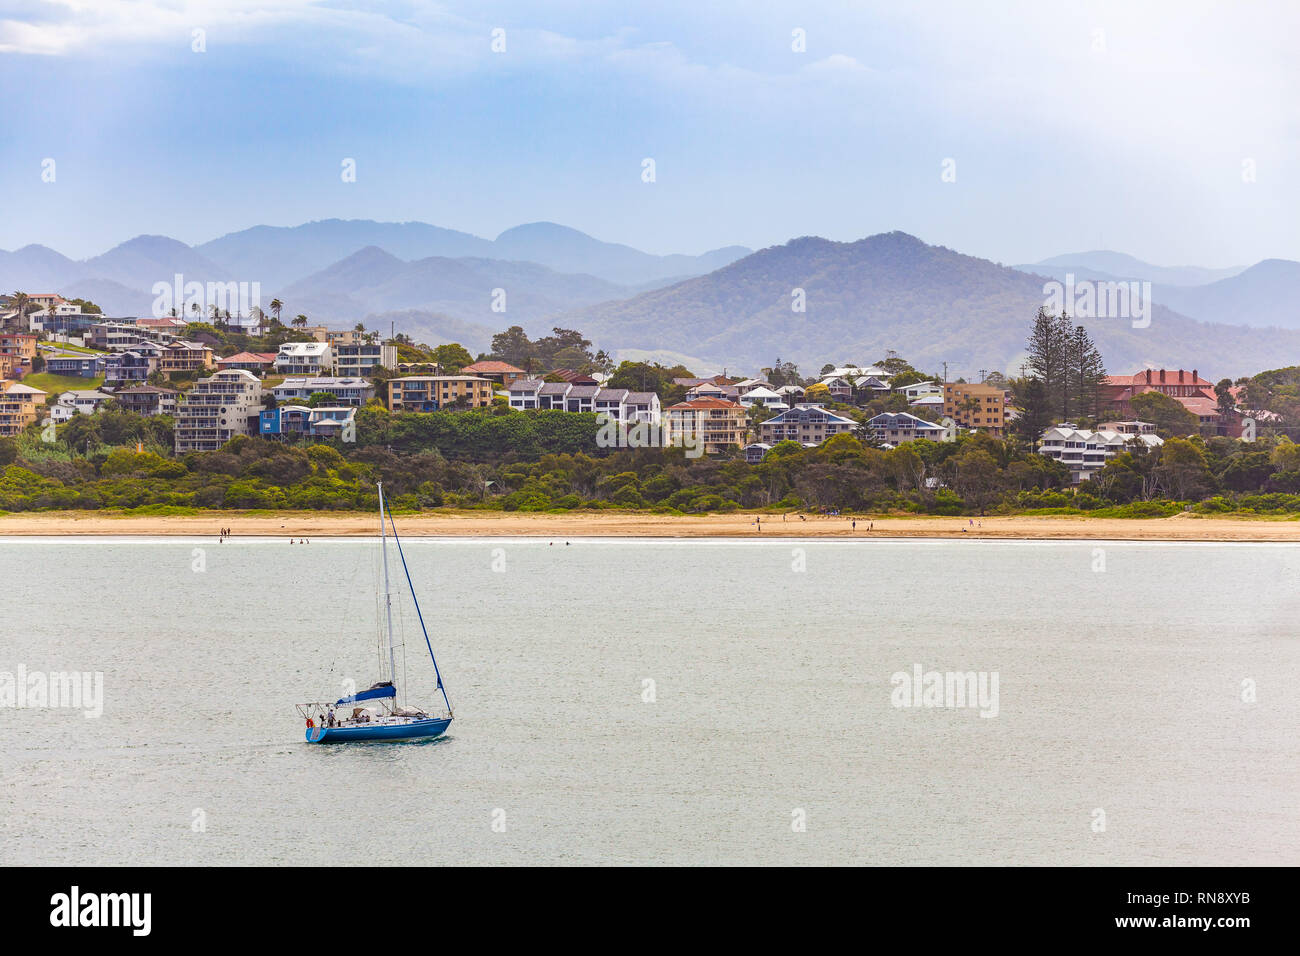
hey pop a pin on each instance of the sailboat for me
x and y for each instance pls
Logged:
(374, 713)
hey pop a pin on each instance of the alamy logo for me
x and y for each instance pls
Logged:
(1088, 299)
(950, 689)
(189, 300)
(102, 909)
(73, 690)
(614, 433)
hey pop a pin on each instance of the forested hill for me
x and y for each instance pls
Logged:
(893, 291)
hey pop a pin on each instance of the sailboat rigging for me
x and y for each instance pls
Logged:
(385, 719)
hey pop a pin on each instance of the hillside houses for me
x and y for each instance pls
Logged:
(1085, 452)
(620, 404)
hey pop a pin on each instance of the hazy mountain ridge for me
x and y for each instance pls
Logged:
(282, 257)
(893, 291)
(886, 291)
(1107, 263)
(374, 281)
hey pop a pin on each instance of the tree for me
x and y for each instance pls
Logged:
(1183, 470)
(782, 373)
(513, 346)
(894, 364)
(1087, 372)
(1227, 405)
(1035, 411)
(276, 306)
(452, 357)
(976, 477)
(1167, 414)
(1047, 360)
(817, 392)
(300, 321)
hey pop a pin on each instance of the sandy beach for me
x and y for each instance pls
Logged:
(1183, 527)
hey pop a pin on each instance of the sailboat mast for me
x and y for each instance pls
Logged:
(388, 596)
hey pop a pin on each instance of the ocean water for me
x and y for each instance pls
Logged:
(1147, 706)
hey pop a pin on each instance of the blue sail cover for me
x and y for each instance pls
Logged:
(374, 693)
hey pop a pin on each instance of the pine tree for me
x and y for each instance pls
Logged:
(1047, 363)
(1087, 372)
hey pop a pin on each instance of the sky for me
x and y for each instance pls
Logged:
(1009, 130)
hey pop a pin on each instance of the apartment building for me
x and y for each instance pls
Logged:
(349, 391)
(17, 349)
(19, 407)
(352, 359)
(185, 358)
(1085, 452)
(429, 393)
(717, 423)
(218, 408)
(976, 406)
(304, 358)
(808, 423)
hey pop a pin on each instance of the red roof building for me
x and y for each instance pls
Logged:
(502, 372)
(1194, 393)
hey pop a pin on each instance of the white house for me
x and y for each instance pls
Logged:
(78, 402)
(304, 358)
(759, 395)
(921, 390)
(1085, 452)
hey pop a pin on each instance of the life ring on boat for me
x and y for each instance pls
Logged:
(310, 723)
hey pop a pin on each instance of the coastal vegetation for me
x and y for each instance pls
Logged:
(549, 461)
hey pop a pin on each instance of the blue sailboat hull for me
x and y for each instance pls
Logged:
(432, 727)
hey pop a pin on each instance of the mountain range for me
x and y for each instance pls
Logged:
(728, 307)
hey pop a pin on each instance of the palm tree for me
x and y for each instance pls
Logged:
(300, 321)
(359, 327)
(276, 306)
(20, 302)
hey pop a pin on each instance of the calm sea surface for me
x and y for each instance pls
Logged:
(1119, 693)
